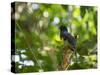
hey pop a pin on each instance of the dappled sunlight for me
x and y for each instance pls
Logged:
(35, 6)
(56, 20)
(39, 45)
(45, 14)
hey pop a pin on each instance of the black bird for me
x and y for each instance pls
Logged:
(69, 45)
(65, 35)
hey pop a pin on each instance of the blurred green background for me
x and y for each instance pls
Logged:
(38, 46)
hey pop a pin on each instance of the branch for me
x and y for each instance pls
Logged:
(66, 58)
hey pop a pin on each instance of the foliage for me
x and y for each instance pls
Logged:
(38, 44)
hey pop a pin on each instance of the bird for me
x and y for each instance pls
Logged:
(66, 36)
(69, 47)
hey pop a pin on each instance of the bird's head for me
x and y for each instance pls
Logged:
(63, 28)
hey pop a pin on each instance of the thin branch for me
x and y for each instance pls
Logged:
(66, 58)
